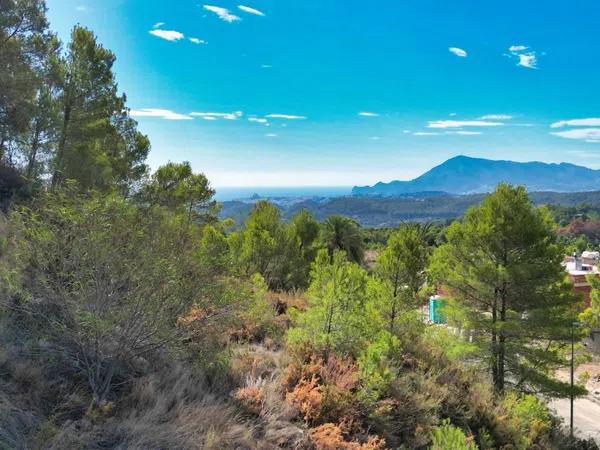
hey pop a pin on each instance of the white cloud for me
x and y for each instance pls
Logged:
(591, 122)
(465, 133)
(217, 115)
(368, 114)
(526, 57)
(197, 41)
(425, 133)
(169, 35)
(249, 10)
(159, 113)
(462, 123)
(585, 134)
(257, 120)
(528, 60)
(375, 138)
(81, 8)
(458, 51)
(285, 116)
(517, 48)
(271, 135)
(158, 25)
(222, 13)
(496, 117)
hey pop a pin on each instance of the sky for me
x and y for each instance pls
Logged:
(342, 93)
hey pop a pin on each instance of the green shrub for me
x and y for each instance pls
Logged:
(377, 368)
(449, 437)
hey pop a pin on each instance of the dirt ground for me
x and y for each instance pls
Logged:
(590, 370)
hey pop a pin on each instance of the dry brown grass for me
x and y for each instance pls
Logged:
(307, 396)
(323, 390)
(171, 409)
(251, 396)
(331, 437)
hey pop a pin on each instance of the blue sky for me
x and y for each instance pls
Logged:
(270, 92)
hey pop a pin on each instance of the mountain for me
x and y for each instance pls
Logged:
(464, 175)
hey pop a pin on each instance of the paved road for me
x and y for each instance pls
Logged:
(586, 418)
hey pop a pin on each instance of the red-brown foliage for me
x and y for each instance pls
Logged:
(331, 437)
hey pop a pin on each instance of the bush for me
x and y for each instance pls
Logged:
(104, 281)
(331, 437)
(377, 367)
(323, 391)
(525, 420)
(448, 437)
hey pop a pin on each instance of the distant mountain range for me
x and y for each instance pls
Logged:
(464, 175)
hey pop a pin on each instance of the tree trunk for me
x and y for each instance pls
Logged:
(496, 376)
(35, 144)
(60, 153)
(502, 343)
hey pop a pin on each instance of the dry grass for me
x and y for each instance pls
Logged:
(331, 437)
(170, 410)
(323, 390)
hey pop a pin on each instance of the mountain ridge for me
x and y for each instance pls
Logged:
(462, 175)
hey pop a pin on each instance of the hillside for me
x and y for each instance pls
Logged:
(465, 175)
(379, 212)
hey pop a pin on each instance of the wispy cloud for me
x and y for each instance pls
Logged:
(517, 48)
(158, 25)
(266, 66)
(272, 135)
(462, 123)
(249, 10)
(168, 35)
(464, 133)
(590, 122)
(218, 115)
(458, 51)
(285, 116)
(222, 13)
(257, 120)
(197, 41)
(81, 8)
(159, 113)
(525, 56)
(368, 114)
(591, 135)
(447, 133)
(496, 117)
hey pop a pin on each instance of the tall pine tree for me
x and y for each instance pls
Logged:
(502, 267)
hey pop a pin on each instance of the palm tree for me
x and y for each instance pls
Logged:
(342, 233)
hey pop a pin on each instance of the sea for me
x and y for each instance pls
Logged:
(234, 193)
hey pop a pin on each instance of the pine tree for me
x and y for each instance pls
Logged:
(502, 267)
(401, 266)
(98, 144)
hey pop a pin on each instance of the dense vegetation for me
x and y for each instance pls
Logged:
(132, 317)
(391, 212)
